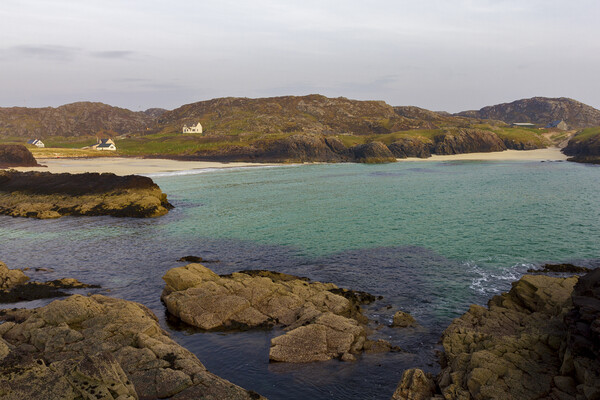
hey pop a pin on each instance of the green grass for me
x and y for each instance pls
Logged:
(587, 133)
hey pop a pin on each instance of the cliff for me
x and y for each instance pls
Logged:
(585, 146)
(16, 155)
(76, 119)
(46, 195)
(540, 111)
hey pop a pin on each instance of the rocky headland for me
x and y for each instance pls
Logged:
(540, 340)
(99, 348)
(584, 147)
(45, 195)
(321, 321)
(16, 155)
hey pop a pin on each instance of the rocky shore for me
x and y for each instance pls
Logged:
(540, 340)
(45, 195)
(99, 348)
(321, 320)
(584, 148)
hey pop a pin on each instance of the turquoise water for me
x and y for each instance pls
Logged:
(431, 237)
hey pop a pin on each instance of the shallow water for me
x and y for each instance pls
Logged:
(431, 238)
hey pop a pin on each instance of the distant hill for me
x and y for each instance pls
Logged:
(540, 111)
(299, 114)
(76, 119)
(155, 112)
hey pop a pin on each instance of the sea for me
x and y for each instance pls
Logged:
(432, 238)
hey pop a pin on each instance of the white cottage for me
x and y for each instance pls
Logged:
(105, 144)
(36, 142)
(193, 128)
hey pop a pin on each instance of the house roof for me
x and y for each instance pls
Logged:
(105, 144)
(554, 124)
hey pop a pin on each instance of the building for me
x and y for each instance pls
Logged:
(559, 124)
(523, 124)
(193, 128)
(36, 142)
(105, 144)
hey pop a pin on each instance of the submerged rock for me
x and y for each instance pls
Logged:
(99, 348)
(45, 195)
(403, 319)
(15, 286)
(321, 324)
(540, 340)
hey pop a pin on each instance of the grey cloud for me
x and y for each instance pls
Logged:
(48, 52)
(113, 54)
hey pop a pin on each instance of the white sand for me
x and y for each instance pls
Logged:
(126, 166)
(549, 154)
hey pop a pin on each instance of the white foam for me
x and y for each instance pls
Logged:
(209, 170)
(498, 281)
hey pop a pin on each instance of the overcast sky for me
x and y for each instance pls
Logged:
(448, 55)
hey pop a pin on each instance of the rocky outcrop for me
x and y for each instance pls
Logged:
(540, 340)
(560, 268)
(76, 119)
(15, 286)
(410, 147)
(372, 153)
(580, 368)
(322, 321)
(46, 195)
(541, 111)
(16, 155)
(465, 140)
(584, 148)
(303, 148)
(403, 319)
(99, 348)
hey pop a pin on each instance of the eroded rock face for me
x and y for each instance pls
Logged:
(322, 321)
(374, 152)
(99, 348)
(45, 195)
(410, 147)
(468, 141)
(16, 155)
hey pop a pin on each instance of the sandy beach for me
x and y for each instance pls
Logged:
(126, 166)
(549, 154)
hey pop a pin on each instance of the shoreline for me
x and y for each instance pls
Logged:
(146, 166)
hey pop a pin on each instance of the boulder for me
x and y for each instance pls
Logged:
(45, 195)
(415, 385)
(99, 348)
(16, 155)
(403, 319)
(322, 320)
(10, 278)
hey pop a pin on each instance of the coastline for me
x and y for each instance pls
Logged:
(127, 165)
(548, 154)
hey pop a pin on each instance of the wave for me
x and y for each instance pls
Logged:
(214, 169)
(492, 282)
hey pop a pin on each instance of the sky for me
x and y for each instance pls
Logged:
(449, 55)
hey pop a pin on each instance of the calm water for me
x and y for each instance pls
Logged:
(431, 238)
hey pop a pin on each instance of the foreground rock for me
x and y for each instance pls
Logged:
(45, 195)
(540, 340)
(16, 155)
(322, 321)
(99, 348)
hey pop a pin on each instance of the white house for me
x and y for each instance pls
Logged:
(105, 144)
(36, 142)
(193, 128)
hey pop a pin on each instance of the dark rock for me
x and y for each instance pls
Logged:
(584, 149)
(46, 195)
(374, 152)
(16, 155)
(410, 147)
(467, 140)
